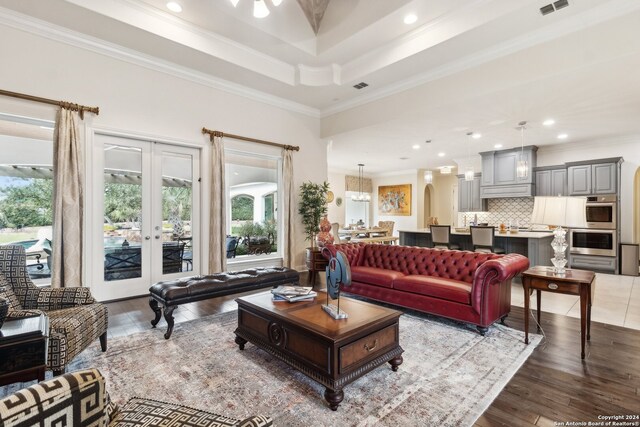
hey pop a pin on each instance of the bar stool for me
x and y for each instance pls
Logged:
(482, 239)
(441, 236)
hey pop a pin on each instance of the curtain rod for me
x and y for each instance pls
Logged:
(68, 105)
(214, 133)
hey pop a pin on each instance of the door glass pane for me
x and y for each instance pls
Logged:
(177, 202)
(252, 189)
(26, 191)
(122, 212)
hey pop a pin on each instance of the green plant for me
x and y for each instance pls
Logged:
(312, 207)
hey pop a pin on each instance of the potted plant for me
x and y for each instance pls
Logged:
(312, 207)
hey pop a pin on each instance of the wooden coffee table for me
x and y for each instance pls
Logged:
(331, 352)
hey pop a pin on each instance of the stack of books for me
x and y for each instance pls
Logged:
(293, 293)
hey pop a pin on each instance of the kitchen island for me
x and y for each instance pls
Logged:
(536, 245)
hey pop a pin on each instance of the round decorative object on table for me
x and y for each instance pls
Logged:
(4, 310)
(324, 236)
(339, 201)
(329, 196)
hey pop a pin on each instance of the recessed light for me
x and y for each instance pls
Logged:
(174, 7)
(476, 135)
(497, 146)
(563, 136)
(441, 154)
(549, 122)
(416, 146)
(410, 18)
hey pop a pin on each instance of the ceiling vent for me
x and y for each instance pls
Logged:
(552, 7)
(545, 10)
(361, 85)
(560, 4)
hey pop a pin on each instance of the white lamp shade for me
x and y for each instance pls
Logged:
(565, 211)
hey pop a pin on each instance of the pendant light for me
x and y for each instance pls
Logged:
(260, 9)
(428, 177)
(468, 174)
(360, 197)
(522, 168)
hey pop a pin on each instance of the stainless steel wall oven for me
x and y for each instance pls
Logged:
(593, 242)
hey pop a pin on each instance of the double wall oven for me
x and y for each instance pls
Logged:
(600, 236)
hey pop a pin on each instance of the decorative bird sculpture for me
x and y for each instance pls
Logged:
(338, 273)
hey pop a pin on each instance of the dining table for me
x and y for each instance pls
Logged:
(366, 232)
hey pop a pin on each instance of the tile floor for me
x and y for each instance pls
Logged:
(616, 301)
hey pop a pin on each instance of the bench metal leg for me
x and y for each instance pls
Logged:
(168, 316)
(154, 306)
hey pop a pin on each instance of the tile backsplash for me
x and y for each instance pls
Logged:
(503, 211)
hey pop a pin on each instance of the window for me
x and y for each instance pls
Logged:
(252, 194)
(26, 190)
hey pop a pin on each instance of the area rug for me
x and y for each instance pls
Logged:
(449, 376)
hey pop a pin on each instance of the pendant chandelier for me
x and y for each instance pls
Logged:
(522, 168)
(468, 174)
(260, 9)
(428, 177)
(360, 197)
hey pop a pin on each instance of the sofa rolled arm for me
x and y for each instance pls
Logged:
(59, 298)
(504, 268)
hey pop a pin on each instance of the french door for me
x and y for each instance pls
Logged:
(147, 204)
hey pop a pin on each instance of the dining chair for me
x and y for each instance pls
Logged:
(441, 237)
(482, 239)
(388, 226)
(334, 230)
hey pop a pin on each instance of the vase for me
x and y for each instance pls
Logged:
(4, 310)
(324, 237)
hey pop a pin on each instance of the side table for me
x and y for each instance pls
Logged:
(573, 282)
(23, 349)
(315, 262)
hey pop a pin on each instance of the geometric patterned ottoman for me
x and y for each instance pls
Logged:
(80, 399)
(151, 413)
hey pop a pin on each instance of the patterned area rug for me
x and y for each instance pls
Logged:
(450, 374)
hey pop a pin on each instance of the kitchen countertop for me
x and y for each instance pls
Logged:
(518, 235)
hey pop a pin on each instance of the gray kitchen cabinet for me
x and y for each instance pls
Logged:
(598, 178)
(593, 262)
(469, 195)
(604, 178)
(500, 176)
(551, 181)
(579, 180)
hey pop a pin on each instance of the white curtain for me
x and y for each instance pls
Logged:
(218, 209)
(68, 196)
(288, 207)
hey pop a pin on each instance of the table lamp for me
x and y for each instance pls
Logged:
(560, 212)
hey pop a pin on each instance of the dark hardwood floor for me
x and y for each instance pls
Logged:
(554, 384)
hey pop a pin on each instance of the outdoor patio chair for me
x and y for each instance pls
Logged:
(75, 318)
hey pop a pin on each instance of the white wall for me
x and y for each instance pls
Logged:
(141, 101)
(628, 148)
(336, 213)
(401, 222)
(442, 198)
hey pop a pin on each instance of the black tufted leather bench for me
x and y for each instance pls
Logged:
(172, 293)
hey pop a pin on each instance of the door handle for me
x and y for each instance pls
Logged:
(147, 237)
(157, 236)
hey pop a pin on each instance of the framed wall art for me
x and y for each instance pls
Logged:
(394, 200)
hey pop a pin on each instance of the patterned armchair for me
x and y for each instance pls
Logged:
(75, 318)
(80, 399)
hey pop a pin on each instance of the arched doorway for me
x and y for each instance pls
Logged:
(428, 193)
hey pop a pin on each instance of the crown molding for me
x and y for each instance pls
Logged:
(54, 32)
(602, 13)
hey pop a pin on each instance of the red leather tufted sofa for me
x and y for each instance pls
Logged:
(467, 286)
